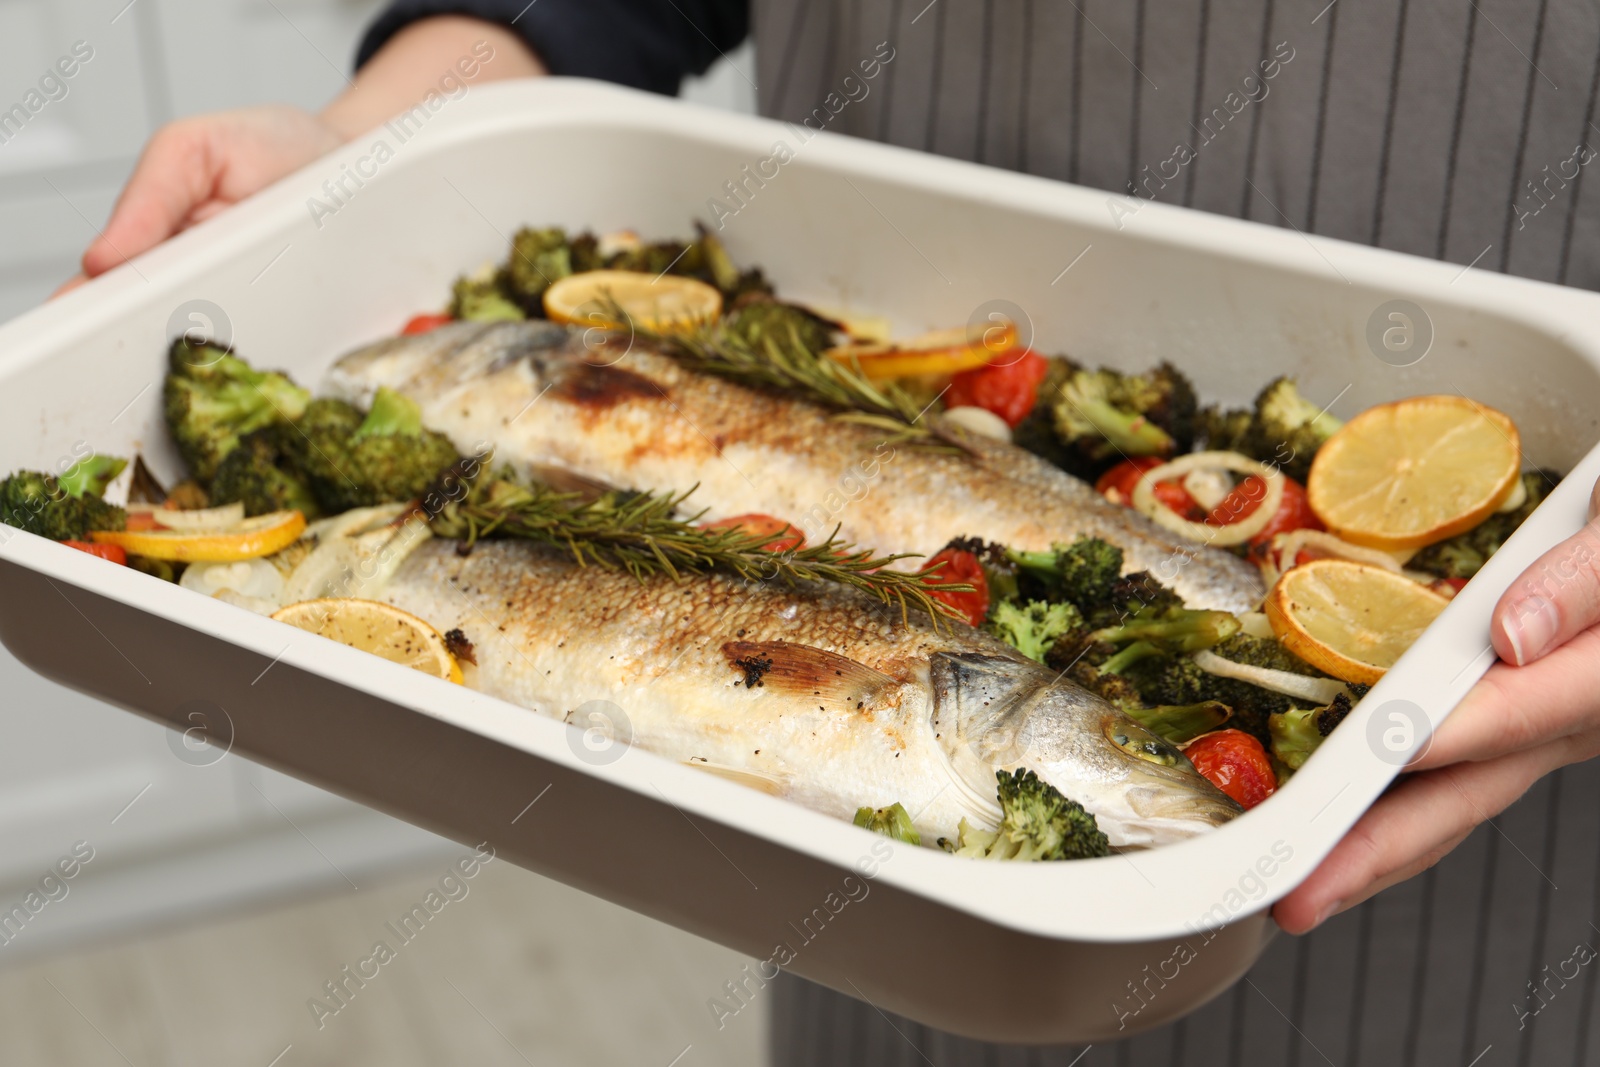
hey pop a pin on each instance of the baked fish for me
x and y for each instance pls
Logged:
(818, 693)
(614, 411)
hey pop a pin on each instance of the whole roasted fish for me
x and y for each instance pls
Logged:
(616, 412)
(818, 693)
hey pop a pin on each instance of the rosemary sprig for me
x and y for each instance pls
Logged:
(640, 533)
(781, 362)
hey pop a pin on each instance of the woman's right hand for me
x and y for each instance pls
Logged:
(195, 167)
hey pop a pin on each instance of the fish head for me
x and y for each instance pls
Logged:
(994, 713)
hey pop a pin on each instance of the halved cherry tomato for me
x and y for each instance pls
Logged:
(1235, 763)
(963, 567)
(1294, 512)
(1116, 485)
(1448, 587)
(762, 526)
(109, 553)
(1008, 386)
(424, 323)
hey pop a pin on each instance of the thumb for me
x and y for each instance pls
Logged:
(1553, 600)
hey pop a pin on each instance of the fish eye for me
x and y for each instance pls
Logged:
(1140, 743)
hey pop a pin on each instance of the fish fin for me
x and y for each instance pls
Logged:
(771, 784)
(804, 669)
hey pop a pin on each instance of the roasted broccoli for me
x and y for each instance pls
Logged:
(1297, 732)
(892, 821)
(1036, 823)
(1033, 627)
(352, 460)
(477, 298)
(1284, 429)
(40, 504)
(1086, 573)
(212, 398)
(1463, 555)
(1107, 416)
(1178, 680)
(539, 259)
(260, 475)
(789, 325)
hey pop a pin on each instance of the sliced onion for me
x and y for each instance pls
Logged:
(253, 578)
(1286, 549)
(1209, 487)
(1256, 624)
(1518, 497)
(1235, 533)
(980, 421)
(200, 520)
(357, 520)
(354, 566)
(1320, 691)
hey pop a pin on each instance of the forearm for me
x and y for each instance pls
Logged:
(418, 57)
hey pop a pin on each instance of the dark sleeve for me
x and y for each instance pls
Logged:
(647, 44)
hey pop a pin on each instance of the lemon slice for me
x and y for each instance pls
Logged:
(1353, 620)
(260, 536)
(1417, 471)
(942, 352)
(663, 303)
(398, 636)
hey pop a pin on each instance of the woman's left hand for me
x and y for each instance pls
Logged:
(1536, 711)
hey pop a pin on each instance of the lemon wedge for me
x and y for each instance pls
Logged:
(247, 539)
(664, 303)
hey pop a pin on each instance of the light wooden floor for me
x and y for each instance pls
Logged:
(519, 971)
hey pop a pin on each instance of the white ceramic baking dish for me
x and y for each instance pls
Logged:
(1051, 952)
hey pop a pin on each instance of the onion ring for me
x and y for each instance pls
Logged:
(1302, 687)
(1234, 533)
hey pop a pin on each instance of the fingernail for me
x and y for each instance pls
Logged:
(1530, 627)
(1327, 913)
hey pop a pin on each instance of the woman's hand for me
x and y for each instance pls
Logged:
(1536, 711)
(196, 167)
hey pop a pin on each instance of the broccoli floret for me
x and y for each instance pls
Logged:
(1177, 680)
(1284, 428)
(892, 821)
(1173, 629)
(212, 398)
(40, 505)
(1106, 416)
(352, 460)
(1085, 573)
(1297, 732)
(1033, 627)
(477, 298)
(539, 259)
(788, 325)
(1037, 823)
(1464, 555)
(91, 475)
(260, 475)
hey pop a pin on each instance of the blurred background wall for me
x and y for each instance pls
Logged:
(184, 836)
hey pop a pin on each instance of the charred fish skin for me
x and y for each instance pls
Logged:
(613, 410)
(823, 694)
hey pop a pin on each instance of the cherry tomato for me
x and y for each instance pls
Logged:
(1448, 587)
(1116, 485)
(764, 526)
(109, 553)
(961, 567)
(1235, 763)
(424, 323)
(1008, 386)
(1294, 512)
(139, 521)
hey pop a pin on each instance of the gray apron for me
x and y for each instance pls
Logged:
(1445, 128)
